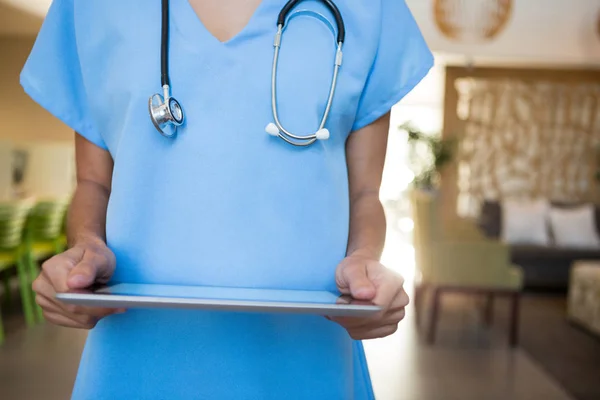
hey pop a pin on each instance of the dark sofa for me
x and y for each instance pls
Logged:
(543, 267)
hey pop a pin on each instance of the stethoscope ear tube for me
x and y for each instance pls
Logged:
(276, 128)
(341, 35)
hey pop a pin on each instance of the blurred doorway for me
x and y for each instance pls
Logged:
(423, 107)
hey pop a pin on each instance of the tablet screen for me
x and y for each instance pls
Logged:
(126, 295)
(221, 293)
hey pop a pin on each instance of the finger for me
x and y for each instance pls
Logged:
(57, 268)
(93, 311)
(48, 304)
(400, 302)
(46, 296)
(55, 273)
(395, 312)
(63, 320)
(387, 292)
(83, 319)
(42, 286)
(74, 311)
(391, 317)
(352, 323)
(353, 279)
(394, 317)
(375, 333)
(392, 312)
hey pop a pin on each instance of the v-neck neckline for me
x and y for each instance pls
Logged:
(193, 19)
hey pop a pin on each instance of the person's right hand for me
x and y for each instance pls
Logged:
(88, 262)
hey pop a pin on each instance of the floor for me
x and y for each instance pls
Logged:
(566, 351)
(468, 362)
(39, 363)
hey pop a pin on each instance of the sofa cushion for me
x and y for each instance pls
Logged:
(525, 222)
(575, 205)
(574, 227)
(490, 216)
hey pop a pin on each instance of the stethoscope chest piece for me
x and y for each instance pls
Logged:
(167, 114)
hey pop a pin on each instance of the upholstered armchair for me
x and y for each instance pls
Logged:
(457, 258)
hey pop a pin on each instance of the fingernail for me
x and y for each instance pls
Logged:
(365, 292)
(78, 280)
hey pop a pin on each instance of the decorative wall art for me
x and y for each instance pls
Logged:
(472, 20)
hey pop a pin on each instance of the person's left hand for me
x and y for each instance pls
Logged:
(366, 279)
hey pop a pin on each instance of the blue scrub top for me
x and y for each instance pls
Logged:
(224, 203)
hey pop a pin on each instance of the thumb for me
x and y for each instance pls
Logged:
(82, 275)
(89, 270)
(355, 281)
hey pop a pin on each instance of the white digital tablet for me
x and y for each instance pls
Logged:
(126, 295)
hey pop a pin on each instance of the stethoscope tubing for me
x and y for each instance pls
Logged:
(283, 133)
(341, 35)
(167, 114)
(164, 51)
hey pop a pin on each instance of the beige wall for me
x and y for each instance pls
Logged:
(22, 119)
(50, 170)
(27, 125)
(6, 176)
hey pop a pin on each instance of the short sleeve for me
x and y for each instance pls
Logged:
(52, 74)
(402, 60)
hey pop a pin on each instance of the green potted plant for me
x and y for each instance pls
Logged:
(428, 155)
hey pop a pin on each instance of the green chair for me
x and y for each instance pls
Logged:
(455, 257)
(44, 235)
(62, 239)
(13, 216)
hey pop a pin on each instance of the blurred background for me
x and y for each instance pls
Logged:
(490, 188)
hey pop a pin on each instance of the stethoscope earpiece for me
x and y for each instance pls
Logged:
(272, 129)
(321, 134)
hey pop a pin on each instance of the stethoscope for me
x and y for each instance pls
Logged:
(167, 114)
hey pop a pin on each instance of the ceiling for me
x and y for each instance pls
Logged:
(22, 17)
(544, 32)
(35, 7)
